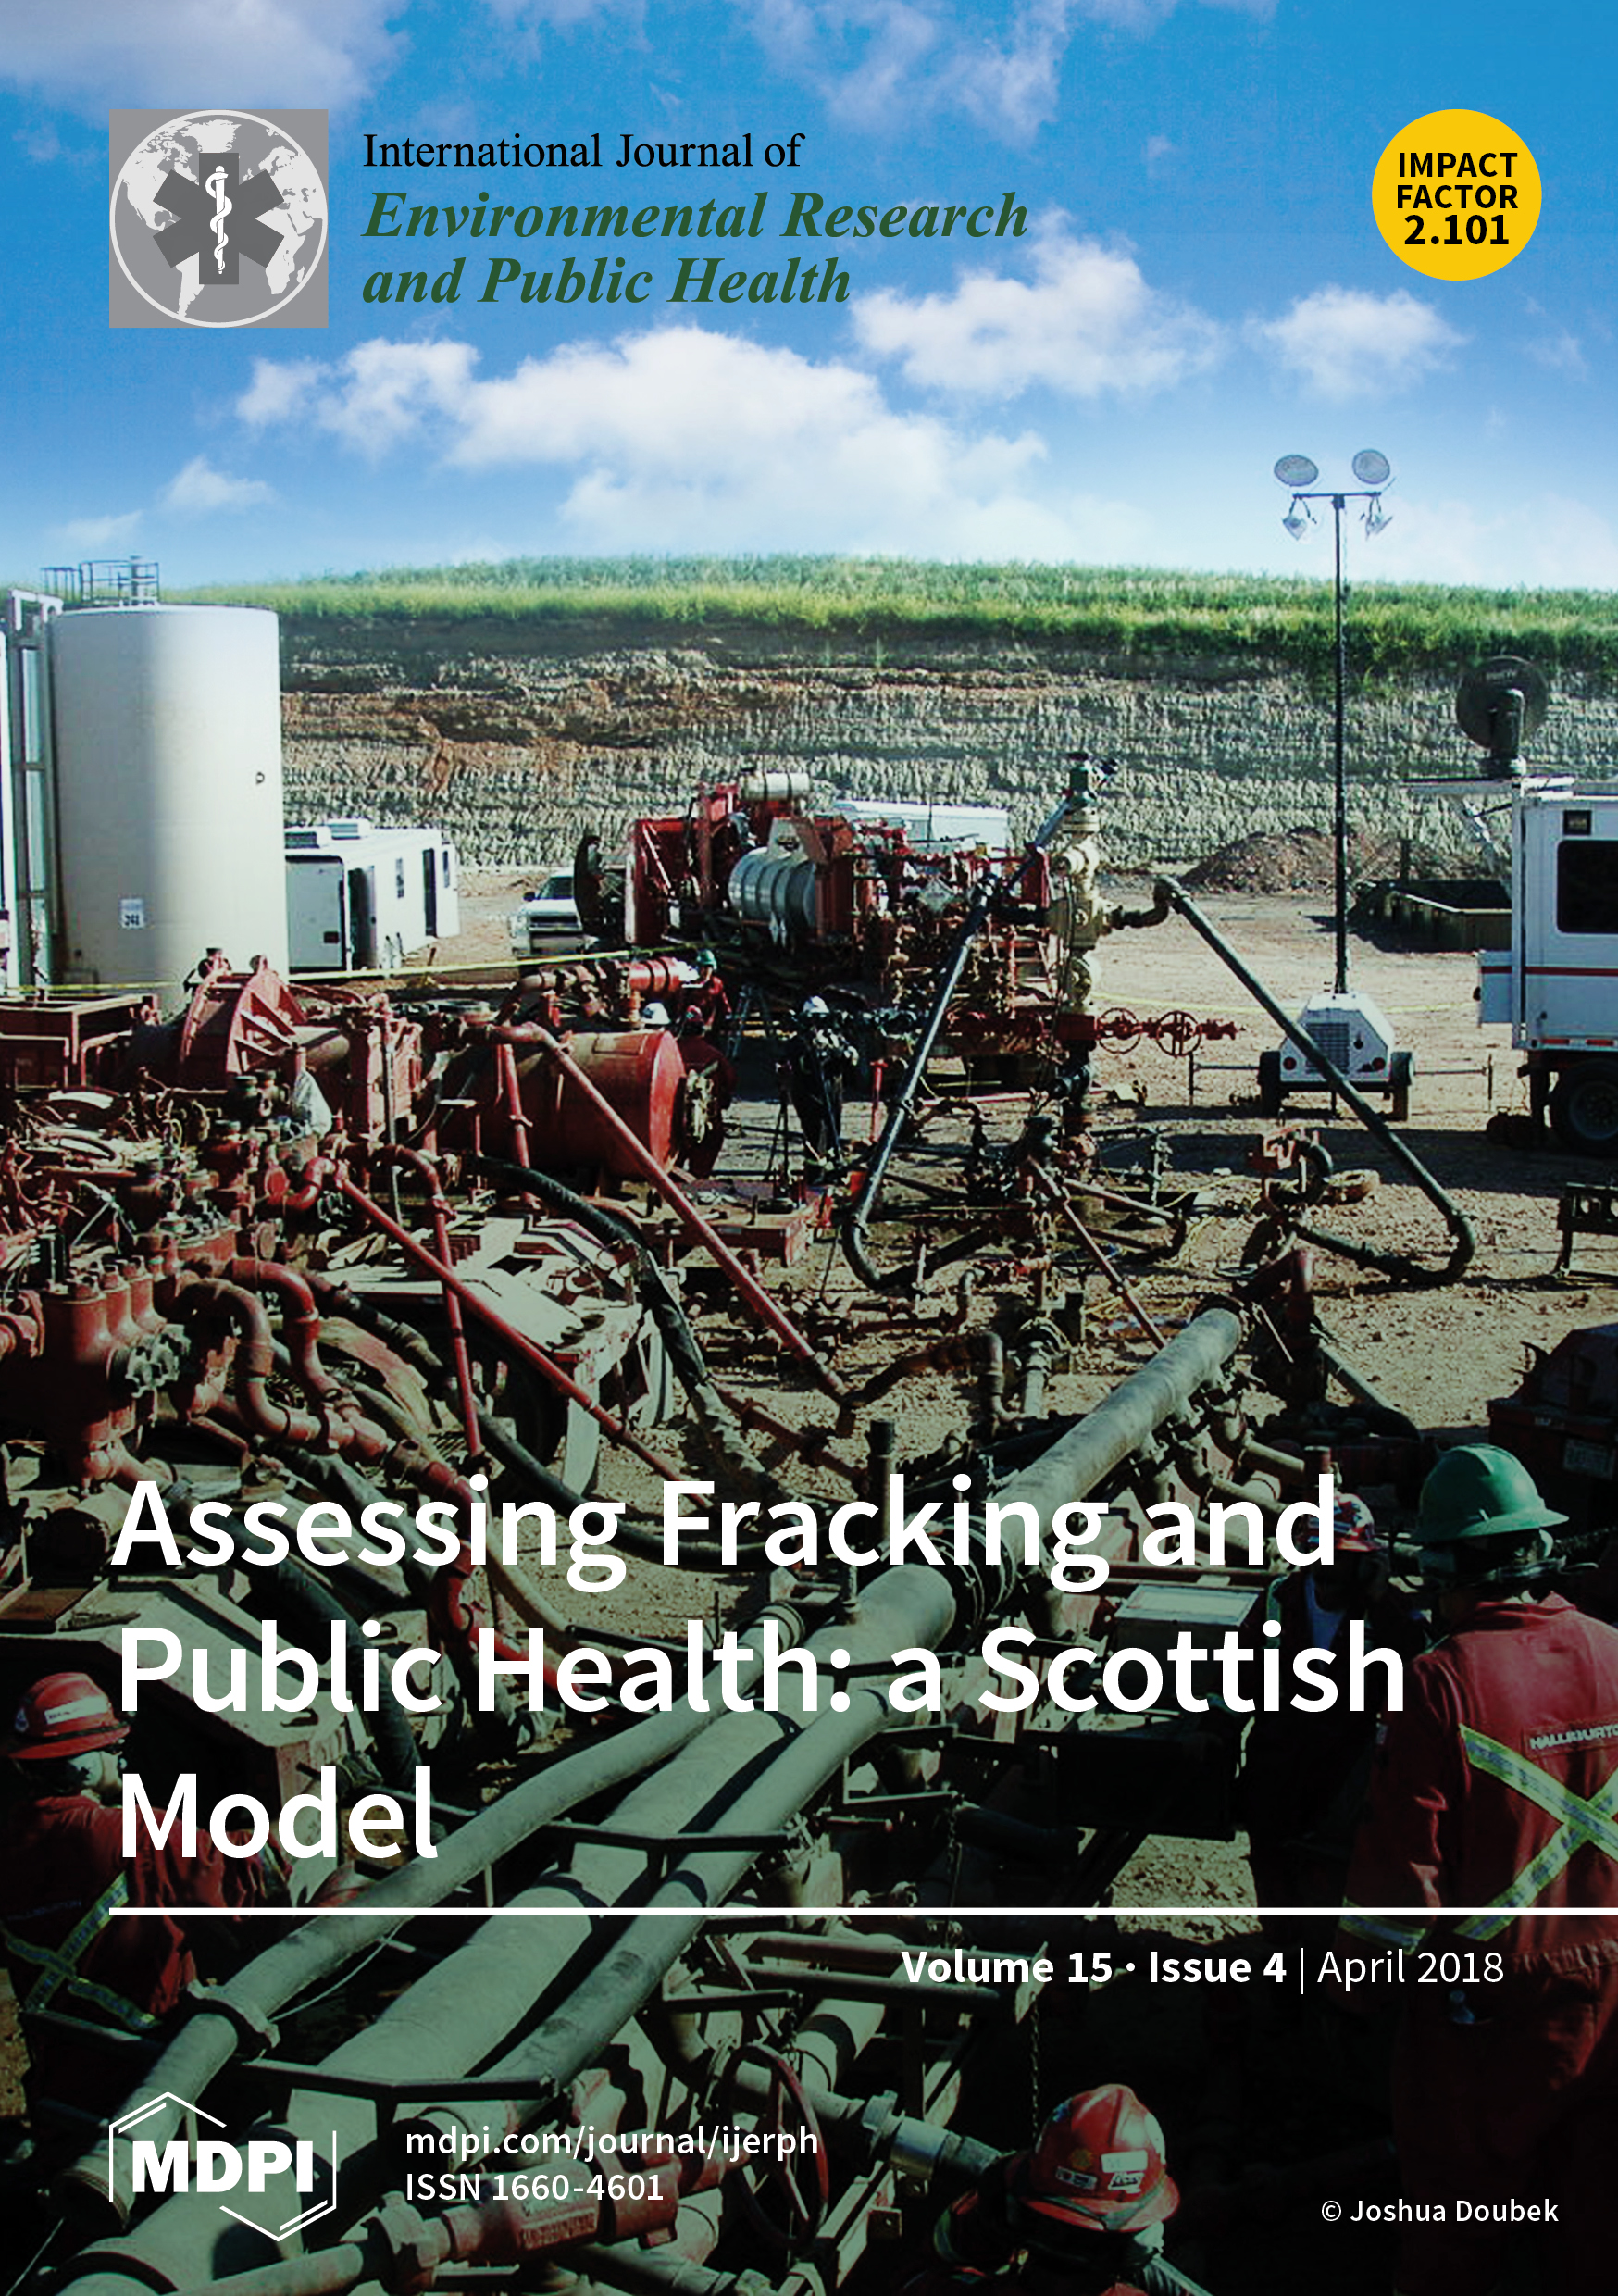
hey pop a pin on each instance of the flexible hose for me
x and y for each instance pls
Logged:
(725, 1435)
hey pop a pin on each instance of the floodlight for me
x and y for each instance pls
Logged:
(1299, 473)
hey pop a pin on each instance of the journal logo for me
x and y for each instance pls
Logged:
(218, 218)
(260, 2176)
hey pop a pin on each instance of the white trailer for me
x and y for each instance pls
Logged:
(930, 827)
(1556, 987)
(361, 899)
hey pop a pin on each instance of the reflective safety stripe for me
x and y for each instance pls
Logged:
(1580, 1822)
(1385, 1930)
(59, 1965)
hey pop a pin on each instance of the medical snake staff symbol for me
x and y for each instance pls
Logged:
(215, 184)
(202, 202)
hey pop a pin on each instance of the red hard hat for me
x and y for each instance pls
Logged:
(1098, 2163)
(1353, 1527)
(62, 1715)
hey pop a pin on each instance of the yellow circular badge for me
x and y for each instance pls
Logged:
(1456, 195)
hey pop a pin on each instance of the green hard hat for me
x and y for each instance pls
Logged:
(1479, 1491)
(706, 956)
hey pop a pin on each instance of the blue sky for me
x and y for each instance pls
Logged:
(1201, 288)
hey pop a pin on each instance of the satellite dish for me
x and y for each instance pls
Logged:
(1296, 470)
(1372, 469)
(1500, 702)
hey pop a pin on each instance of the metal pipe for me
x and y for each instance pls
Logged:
(247, 2004)
(980, 902)
(1116, 1276)
(302, 1325)
(507, 1332)
(506, 1059)
(1039, 1345)
(324, 2272)
(1460, 1227)
(427, 1172)
(196, 1296)
(1123, 1419)
(653, 2270)
(685, 1211)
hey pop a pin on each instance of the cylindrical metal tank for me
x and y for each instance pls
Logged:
(775, 889)
(777, 785)
(166, 722)
(639, 1072)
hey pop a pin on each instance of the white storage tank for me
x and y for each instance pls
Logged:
(166, 724)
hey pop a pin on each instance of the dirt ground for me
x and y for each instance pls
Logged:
(1440, 1354)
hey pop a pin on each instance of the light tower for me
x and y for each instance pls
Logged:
(1350, 1030)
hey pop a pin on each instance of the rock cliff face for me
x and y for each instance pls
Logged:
(515, 739)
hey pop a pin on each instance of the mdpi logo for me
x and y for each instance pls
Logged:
(261, 2176)
(217, 220)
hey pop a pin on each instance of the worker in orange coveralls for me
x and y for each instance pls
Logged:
(707, 996)
(1305, 1773)
(64, 1881)
(1496, 1790)
(1077, 2214)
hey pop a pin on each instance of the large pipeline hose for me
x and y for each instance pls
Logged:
(755, 1777)
(754, 1782)
(248, 2002)
(293, 1581)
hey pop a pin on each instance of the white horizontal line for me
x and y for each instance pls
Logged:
(848, 1912)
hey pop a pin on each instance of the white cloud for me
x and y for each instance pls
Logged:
(96, 533)
(1540, 541)
(524, 24)
(858, 55)
(560, 15)
(1563, 352)
(41, 144)
(1347, 343)
(684, 439)
(199, 487)
(379, 395)
(1087, 325)
(1013, 89)
(139, 52)
(868, 59)
(277, 392)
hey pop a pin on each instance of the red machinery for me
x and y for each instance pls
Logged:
(812, 896)
(824, 894)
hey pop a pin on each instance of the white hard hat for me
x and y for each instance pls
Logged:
(816, 1008)
(654, 1016)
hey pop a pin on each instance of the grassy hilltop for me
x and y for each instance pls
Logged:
(1130, 612)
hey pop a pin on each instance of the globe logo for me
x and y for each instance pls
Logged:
(218, 218)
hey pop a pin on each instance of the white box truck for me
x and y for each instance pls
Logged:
(1556, 987)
